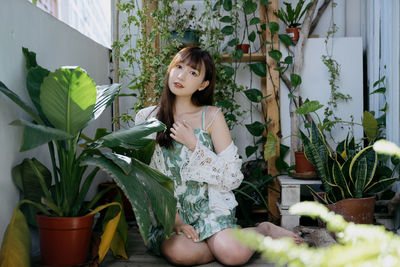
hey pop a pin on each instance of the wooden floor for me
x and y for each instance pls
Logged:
(139, 256)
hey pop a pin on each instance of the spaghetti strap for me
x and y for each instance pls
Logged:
(202, 118)
(212, 120)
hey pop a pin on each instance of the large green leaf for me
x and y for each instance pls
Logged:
(370, 125)
(270, 146)
(358, 172)
(254, 95)
(34, 79)
(340, 180)
(140, 187)
(249, 7)
(133, 134)
(16, 243)
(256, 128)
(35, 135)
(380, 186)
(312, 153)
(308, 107)
(30, 58)
(259, 68)
(105, 96)
(67, 97)
(162, 201)
(371, 161)
(27, 181)
(17, 100)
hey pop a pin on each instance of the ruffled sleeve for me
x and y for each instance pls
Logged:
(220, 171)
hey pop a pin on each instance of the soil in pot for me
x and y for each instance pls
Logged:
(64, 241)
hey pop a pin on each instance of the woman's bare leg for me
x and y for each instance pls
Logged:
(227, 249)
(275, 231)
(181, 250)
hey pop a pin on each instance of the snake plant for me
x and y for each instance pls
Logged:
(346, 173)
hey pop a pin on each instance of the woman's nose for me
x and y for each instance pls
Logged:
(181, 74)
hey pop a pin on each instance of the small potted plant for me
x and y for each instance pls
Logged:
(291, 17)
(185, 30)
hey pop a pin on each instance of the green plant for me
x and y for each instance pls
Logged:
(346, 173)
(291, 17)
(358, 244)
(66, 101)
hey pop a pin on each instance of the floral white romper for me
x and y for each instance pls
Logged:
(203, 183)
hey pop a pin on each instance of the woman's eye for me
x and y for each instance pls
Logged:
(193, 73)
(179, 66)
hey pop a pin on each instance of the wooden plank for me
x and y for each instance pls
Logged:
(270, 86)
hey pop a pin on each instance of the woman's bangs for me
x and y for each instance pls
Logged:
(189, 58)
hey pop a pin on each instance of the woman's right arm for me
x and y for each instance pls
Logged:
(187, 229)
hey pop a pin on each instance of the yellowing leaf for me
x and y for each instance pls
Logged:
(343, 154)
(118, 246)
(270, 146)
(109, 230)
(16, 242)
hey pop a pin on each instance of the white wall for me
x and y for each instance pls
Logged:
(56, 44)
(315, 85)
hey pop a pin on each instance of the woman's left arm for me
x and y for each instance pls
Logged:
(220, 168)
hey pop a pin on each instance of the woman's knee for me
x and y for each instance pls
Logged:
(184, 253)
(174, 252)
(229, 252)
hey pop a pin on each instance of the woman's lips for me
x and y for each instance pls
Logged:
(176, 84)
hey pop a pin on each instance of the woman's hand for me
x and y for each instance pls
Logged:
(183, 133)
(187, 230)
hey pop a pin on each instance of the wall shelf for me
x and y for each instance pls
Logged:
(245, 58)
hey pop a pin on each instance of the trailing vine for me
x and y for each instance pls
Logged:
(334, 75)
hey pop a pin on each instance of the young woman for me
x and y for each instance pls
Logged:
(197, 152)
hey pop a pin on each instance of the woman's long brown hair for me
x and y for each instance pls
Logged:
(194, 57)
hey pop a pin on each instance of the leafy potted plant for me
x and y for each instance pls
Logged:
(348, 176)
(66, 101)
(291, 17)
(184, 28)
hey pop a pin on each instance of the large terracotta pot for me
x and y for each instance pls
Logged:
(357, 210)
(64, 241)
(302, 163)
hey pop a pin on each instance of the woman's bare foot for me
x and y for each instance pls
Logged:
(274, 231)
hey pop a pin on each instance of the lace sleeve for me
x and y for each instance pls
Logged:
(222, 170)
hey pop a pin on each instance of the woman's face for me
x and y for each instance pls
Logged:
(184, 80)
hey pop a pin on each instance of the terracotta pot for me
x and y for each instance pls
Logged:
(293, 33)
(357, 210)
(302, 163)
(243, 47)
(64, 241)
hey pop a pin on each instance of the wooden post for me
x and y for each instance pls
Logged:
(270, 86)
(150, 6)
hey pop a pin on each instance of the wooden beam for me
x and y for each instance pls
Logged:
(150, 6)
(270, 86)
